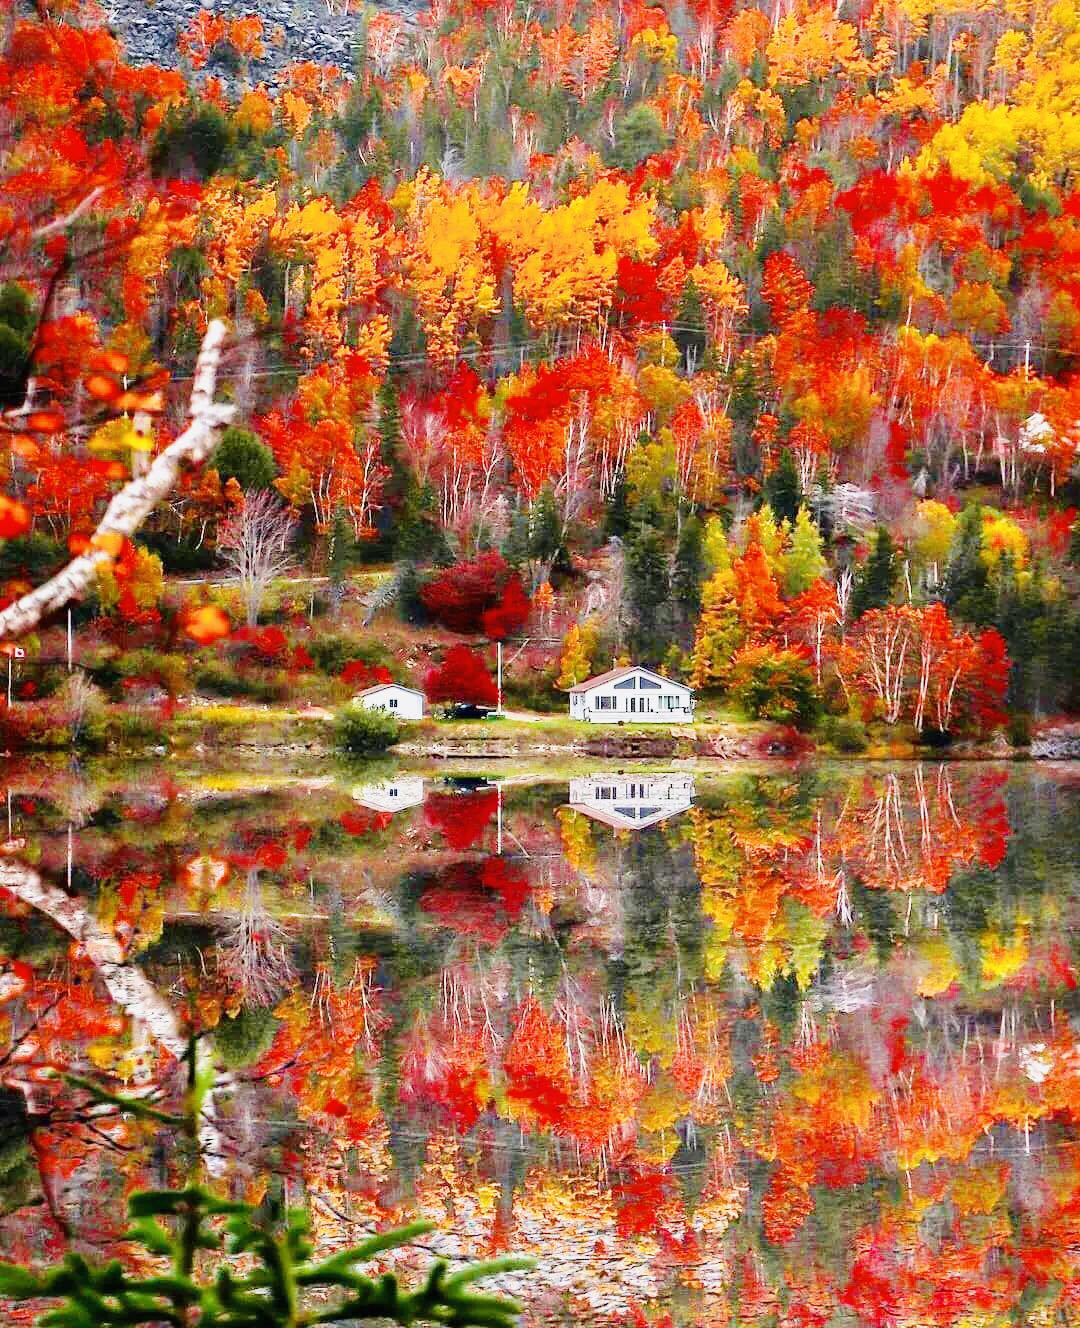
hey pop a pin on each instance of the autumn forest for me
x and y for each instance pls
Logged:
(463, 353)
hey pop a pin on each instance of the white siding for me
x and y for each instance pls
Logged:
(400, 701)
(639, 698)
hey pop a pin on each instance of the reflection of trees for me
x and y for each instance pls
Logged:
(813, 1020)
(253, 953)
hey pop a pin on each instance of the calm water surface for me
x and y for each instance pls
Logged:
(767, 1047)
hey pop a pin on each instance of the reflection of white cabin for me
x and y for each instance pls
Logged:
(631, 802)
(404, 702)
(391, 795)
(632, 695)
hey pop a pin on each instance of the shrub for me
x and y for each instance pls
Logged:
(75, 717)
(362, 732)
(535, 690)
(221, 678)
(171, 672)
(845, 733)
(775, 684)
(333, 652)
(483, 594)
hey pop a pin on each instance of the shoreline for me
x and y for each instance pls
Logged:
(211, 729)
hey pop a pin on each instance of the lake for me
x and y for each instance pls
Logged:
(757, 1045)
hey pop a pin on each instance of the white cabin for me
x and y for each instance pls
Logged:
(632, 695)
(632, 802)
(391, 795)
(395, 699)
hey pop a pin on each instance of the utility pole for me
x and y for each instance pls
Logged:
(498, 818)
(498, 672)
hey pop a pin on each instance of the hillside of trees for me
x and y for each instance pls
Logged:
(740, 340)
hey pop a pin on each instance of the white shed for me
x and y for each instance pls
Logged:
(631, 802)
(404, 702)
(632, 695)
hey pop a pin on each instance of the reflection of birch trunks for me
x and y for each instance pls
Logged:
(126, 984)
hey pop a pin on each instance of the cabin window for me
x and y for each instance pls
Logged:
(627, 685)
(648, 685)
(393, 703)
(605, 703)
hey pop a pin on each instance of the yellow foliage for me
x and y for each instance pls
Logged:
(809, 47)
(1002, 956)
(935, 526)
(1002, 537)
(938, 966)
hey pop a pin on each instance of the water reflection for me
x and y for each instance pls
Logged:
(631, 802)
(391, 795)
(795, 1048)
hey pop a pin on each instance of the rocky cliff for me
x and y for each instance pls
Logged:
(294, 30)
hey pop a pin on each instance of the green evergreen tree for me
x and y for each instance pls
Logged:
(545, 528)
(245, 458)
(876, 579)
(617, 512)
(689, 570)
(391, 442)
(638, 134)
(966, 589)
(690, 333)
(515, 545)
(17, 321)
(341, 555)
(783, 491)
(648, 589)
(1073, 554)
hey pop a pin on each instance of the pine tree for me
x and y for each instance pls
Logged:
(689, 569)
(392, 444)
(617, 512)
(782, 489)
(545, 529)
(515, 546)
(804, 561)
(341, 554)
(690, 334)
(876, 579)
(966, 588)
(648, 587)
(1073, 555)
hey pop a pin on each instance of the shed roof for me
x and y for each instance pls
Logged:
(382, 687)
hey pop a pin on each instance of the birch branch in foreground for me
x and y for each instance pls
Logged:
(136, 500)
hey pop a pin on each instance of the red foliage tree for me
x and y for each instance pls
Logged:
(462, 676)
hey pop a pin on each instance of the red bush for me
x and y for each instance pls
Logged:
(483, 594)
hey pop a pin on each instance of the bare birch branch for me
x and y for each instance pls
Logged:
(136, 500)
